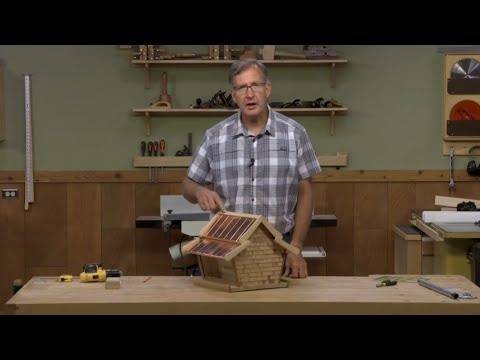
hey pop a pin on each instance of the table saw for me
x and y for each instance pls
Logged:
(456, 236)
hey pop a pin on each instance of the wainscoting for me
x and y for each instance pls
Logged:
(80, 217)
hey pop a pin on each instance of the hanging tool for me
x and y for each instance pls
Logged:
(155, 153)
(445, 291)
(162, 147)
(451, 185)
(29, 196)
(143, 145)
(150, 152)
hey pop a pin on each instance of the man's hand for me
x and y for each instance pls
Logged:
(206, 199)
(209, 200)
(295, 266)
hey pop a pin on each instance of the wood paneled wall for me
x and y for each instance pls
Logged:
(81, 217)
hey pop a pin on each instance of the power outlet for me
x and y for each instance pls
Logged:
(9, 194)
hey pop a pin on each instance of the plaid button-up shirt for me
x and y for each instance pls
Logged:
(256, 174)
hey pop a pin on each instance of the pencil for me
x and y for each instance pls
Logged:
(148, 278)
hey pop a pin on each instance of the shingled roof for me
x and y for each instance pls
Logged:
(227, 234)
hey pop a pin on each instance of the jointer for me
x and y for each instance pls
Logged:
(178, 213)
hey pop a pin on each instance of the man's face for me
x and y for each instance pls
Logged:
(250, 92)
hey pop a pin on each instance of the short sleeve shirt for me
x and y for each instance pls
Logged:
(256, 174)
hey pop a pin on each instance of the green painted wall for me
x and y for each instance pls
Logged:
(83, 96)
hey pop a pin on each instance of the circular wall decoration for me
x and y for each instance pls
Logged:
(465, 110)
(466, 69)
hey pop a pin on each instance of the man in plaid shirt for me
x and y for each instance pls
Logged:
(257, 161)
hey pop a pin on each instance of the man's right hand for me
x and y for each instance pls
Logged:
(209, 200)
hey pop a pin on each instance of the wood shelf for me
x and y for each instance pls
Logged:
(338, 160)
(223, 62)
(162, 161)
(148, 63)
(148, 112)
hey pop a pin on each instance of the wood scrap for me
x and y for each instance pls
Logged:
(113, 283)
(269, 53)
(448, 201)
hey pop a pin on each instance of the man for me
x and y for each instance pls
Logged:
(257, 161)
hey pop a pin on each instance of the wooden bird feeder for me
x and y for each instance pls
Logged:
(238, 252)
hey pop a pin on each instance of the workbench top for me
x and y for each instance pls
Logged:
(178, 295)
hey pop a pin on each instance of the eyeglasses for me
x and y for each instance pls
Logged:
(242, 89)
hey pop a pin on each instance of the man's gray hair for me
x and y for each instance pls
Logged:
(240, 66)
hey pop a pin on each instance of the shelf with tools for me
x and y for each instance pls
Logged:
(149, 112)
(332, 62)
(149, 56)
(338, 160)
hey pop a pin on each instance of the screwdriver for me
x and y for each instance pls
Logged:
(155, 153)
(142, 147)
(150, 149)
(162, 147)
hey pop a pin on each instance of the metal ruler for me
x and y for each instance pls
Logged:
(29, 197)
(451, 293)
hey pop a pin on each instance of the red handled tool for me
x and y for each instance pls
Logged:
(155, 153)
(150, 151)
(162, 147)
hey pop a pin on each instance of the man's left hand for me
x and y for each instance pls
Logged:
(295, 266)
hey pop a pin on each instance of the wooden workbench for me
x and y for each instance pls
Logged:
(178, 295)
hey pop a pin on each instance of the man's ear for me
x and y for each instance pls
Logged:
(268, 89)
(234, 97)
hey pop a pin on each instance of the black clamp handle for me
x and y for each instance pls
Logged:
(387, 283)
